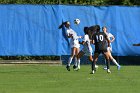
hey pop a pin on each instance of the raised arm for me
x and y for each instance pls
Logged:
(112, 38)
(108, 41)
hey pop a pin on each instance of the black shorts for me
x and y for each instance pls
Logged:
(100, 51)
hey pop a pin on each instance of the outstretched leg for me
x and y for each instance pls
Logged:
(113, 60)
(71, 57)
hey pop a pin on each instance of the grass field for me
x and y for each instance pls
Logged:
(56, 79)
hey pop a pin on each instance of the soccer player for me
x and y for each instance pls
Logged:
(100, 39)
(87, 49)
(109, 49)
(74, 43)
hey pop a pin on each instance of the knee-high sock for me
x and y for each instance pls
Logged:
(108, 63)
(93, 65)
(70, 60)
(115, 62)
(76, 61)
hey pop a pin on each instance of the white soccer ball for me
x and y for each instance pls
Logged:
(77, 21)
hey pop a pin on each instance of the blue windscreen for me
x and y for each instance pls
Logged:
(33, 29)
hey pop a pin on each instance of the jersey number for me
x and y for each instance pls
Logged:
(99, 38)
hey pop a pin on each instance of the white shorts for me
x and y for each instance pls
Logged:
(88, 52)
(74, 43)
(109, 49)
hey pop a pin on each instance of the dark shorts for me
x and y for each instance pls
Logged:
(100, 51)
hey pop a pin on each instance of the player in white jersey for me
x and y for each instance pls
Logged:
(74, 38)
(74, 44)
(109, 49)
(87, 49)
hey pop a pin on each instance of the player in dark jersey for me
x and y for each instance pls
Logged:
(100, 39)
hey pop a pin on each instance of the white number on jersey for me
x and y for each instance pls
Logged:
(99, 38)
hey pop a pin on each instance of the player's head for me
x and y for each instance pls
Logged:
(86, 30)
(97, 28)
(66, 24)
(104, 29)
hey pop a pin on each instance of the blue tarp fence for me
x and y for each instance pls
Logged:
(33, 29)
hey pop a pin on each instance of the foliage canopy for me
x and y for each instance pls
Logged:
(79, 2)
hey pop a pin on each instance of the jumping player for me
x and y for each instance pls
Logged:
(100, 39)
(74, 43)
(109, 49)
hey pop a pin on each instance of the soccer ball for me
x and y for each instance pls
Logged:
(77, 21)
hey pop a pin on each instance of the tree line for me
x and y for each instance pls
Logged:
(79, 2)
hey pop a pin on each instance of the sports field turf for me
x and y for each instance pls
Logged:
(56, 79)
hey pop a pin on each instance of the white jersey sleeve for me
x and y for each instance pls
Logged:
(72, 32)
(86, 38)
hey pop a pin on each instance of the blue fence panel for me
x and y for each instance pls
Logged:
(29, 30)
(127, 28)
(33, 29)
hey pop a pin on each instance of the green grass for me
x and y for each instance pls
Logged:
(56, 79)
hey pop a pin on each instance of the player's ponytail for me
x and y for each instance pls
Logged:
(64, 23)
(61, 25)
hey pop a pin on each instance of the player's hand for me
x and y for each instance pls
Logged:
(80, 36)
(69, 35)
(79, 42)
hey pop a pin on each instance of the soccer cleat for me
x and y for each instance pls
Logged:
(74, 67)
(92, 72)
(108, 71)
(105, 68)
(96, 66)
(77, 68)
(119, 67)
(68, 68)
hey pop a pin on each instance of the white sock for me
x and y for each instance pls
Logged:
(70, 60)
(75, 63)
(78, 62)
(115, 62)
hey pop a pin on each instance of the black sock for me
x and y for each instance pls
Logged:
(108, 63)
(93, 66)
